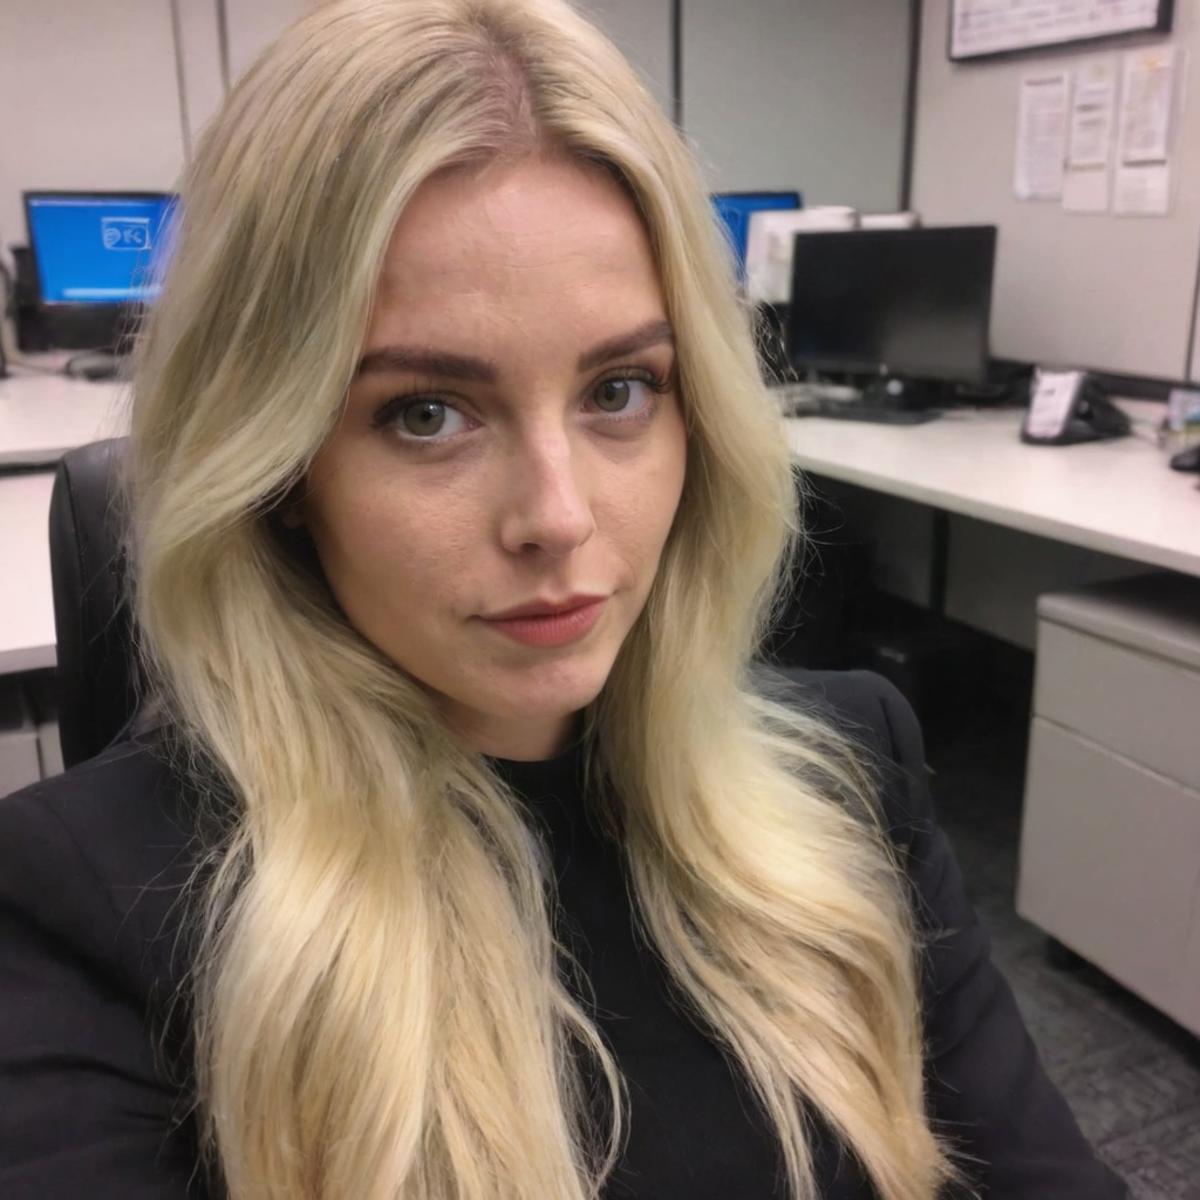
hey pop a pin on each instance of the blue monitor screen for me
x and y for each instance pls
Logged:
(735, 209)
(100, 248)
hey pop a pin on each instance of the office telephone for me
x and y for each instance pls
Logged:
(1068, 406)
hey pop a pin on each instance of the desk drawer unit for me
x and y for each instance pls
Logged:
(1110, 839)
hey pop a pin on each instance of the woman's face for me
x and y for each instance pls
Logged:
(512, 435)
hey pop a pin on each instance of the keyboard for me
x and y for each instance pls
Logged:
(878, 414)
(844, 404)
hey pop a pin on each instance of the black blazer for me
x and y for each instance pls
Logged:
(94, 1075)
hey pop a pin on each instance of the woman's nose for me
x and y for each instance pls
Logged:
(547, 501)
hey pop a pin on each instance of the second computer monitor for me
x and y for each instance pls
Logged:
(734, 209)
(912, 303)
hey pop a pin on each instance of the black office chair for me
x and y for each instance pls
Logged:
(98, 683)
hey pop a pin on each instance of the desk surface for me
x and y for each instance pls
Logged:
(44, 416)
(27, 638)
(1119, 497)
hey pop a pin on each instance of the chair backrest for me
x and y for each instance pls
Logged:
(97, 677)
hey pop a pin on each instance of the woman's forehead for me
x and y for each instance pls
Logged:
(526, 244)
(500, 224)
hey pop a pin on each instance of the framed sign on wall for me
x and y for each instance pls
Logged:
(979, 28)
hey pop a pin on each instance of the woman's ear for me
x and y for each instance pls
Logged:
(289, 510)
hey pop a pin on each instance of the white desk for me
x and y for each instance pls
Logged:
(41, 417)
(1119, 497)
(44, 416)
(27, 636)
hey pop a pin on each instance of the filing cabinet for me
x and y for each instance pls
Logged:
(1110, 838)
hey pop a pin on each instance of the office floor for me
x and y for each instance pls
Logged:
(1131, 1075)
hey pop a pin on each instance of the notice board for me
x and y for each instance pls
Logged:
(983, 27)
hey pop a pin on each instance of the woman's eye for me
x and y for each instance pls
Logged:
(425, 417)
(615, 395)
(416, 420)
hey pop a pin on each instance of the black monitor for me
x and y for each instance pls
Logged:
(98, 258)
(908, 303)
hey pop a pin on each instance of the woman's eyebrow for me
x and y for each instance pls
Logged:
(446, 365)
(441, 363)
(652, 333)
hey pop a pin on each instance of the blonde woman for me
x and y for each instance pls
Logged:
(396, 891)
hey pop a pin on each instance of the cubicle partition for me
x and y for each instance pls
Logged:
(1108, 292)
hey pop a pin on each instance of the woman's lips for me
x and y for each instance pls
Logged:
(558, 629)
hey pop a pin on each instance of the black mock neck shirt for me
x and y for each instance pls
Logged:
(695, 1129)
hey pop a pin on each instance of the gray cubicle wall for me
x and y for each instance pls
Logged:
(1099, 291)
(642, 29)
(117, 103)
(784, 94)
(251, 25)
(776, 93)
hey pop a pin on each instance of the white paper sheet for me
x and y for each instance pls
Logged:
(1143, 191)
(1093, 105)
(1041, 136)
(1146, 104)
(1050, 403)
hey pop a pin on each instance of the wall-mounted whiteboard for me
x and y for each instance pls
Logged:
(979, 27)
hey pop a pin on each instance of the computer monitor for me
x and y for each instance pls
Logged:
(909, 303)
(734, 208)
(97, 257)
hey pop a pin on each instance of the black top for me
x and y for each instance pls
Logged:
(91, 863)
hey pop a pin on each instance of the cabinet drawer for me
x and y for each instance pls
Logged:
(1110, 854)
(1140, 706)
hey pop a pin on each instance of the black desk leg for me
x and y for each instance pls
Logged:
(939, 556)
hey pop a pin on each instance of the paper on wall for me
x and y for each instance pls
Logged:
(1092, 112)
(1143, 190)
(1090, 141)
(1146, 104)
(1041, 136)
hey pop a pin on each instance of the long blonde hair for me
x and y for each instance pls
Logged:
(378, 1007)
